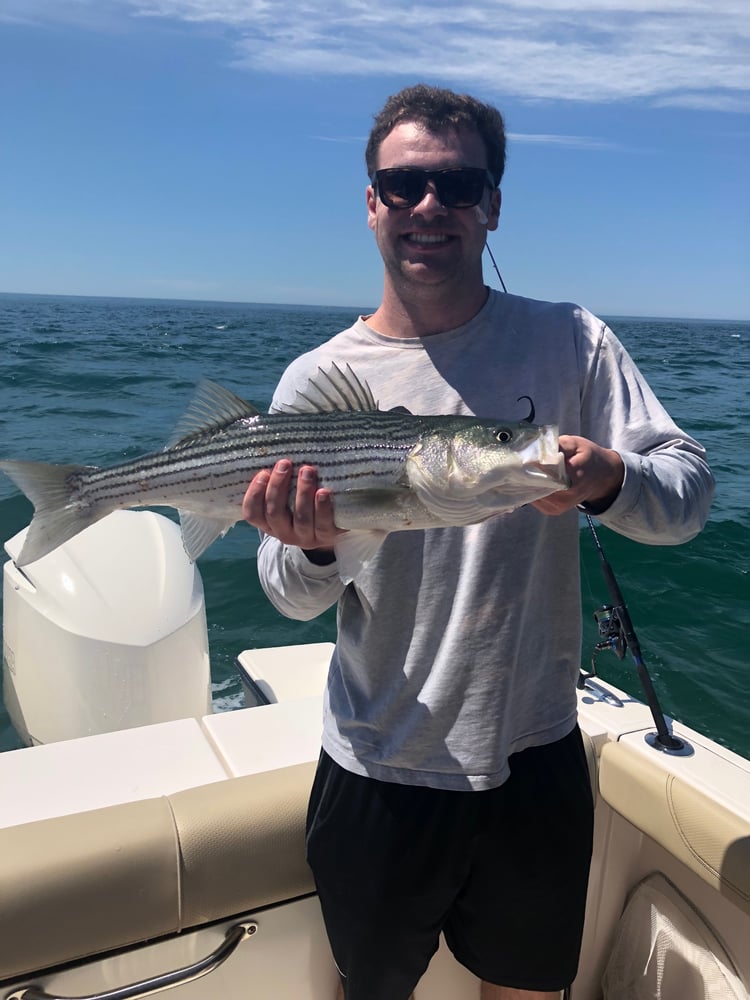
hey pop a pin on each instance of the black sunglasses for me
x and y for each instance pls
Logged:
(457, 187)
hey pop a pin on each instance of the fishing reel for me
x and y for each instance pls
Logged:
(611, 636)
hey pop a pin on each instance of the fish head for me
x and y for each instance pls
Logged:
(499, 465)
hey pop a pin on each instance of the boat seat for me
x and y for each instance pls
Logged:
(80, 885)
(665, 950)
(703, 833)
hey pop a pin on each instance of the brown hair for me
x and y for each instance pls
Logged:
(437, 110)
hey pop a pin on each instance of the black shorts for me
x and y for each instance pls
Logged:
(503, 873)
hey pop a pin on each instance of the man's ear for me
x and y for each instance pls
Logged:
(493, 215)
(371, 206)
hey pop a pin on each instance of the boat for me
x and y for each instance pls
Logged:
(159, 847)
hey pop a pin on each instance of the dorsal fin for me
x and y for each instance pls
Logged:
(333, 390)
(211, 408)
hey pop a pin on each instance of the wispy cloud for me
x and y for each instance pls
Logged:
(575, 141)
(690, 53)
(532, 138)
(77, 13)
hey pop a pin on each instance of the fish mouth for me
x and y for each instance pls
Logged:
(543, 457)
(555, 470)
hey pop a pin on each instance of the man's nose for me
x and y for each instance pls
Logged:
(430, 203)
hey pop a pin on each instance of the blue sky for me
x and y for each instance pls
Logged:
(213, 149)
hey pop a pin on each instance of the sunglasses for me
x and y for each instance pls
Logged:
(457, 187)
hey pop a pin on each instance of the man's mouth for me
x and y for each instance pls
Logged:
(427, 239)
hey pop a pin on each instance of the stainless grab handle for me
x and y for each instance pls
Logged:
(235, 935)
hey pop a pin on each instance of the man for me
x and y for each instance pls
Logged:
(452, 792)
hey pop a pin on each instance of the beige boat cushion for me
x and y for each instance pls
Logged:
(704, 834)
(665, 950)
(80, 885)
(242, 843)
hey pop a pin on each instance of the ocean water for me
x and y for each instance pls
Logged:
(99, 381)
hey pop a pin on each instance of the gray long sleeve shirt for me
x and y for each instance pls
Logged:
(460, 646)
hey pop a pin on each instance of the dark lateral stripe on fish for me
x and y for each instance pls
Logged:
(236, 456)
(130, 483)
(233, 460)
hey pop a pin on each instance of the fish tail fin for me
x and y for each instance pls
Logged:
(58, 515)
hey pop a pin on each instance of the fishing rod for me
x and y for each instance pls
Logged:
(617, 633)
(494, 264)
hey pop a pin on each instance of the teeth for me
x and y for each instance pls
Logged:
(427, 237)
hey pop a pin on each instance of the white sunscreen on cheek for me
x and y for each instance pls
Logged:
(481, 217)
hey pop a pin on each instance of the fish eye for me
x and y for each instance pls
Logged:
(503, 435)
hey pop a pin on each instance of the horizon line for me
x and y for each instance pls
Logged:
(359, 308)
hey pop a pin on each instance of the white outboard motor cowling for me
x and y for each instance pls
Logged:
(106, 632)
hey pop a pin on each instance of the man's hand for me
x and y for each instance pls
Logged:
(596, 476)
(266, 506)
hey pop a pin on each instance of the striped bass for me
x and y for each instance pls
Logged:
(389, 470)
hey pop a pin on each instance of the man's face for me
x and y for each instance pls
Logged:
(430, 245)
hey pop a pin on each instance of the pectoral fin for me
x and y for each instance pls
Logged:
(459, 510)
(381, 507)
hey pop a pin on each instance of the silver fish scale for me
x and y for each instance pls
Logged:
(345, 446)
